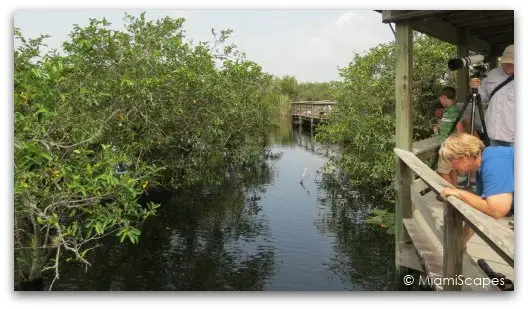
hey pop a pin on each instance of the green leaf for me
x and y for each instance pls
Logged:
(45, 155)
(135, 232)
(37, 72)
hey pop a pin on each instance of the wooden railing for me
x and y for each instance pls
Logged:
(497, 236)
(311, 109)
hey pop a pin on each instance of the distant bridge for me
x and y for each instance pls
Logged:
(304, 112)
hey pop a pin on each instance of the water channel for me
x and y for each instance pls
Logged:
(268, 232)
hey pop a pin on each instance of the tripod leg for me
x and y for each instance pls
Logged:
(481, 113)
(459, 116)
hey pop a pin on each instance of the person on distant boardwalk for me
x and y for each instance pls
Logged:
(447, 98)
(495, 175)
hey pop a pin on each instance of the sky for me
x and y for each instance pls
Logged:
(309, 44)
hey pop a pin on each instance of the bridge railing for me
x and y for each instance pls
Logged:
(311, 109)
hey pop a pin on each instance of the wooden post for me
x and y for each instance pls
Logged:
(295, 112)
(300, 124)
(300, 113)
(311, 119)
(403, 136)
(494, 59)
(462, 74)
(452, 248)
(312, 146)
(493, 63)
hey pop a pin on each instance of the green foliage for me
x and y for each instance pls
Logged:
(364, 118)
(317, 91)
(288, 86)
(384, 219)
(117, 113)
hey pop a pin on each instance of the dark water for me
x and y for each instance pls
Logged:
(267, 232)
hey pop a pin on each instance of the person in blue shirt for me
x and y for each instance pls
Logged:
(494, 167)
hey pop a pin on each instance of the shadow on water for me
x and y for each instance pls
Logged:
(285, 226)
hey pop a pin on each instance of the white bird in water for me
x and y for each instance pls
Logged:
(304, 174)
(302, 179)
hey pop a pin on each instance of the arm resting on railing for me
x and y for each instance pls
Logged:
(498, 236)
(496, 206)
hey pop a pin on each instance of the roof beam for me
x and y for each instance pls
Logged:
(484, 21)
(428, 22)
(448, 33)
(500, 38)
(469, 17)
(388, 16)
(484, 32)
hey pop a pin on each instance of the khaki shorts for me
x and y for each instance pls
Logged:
(444, 166)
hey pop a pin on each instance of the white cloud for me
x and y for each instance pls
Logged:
(335, 43)
(348, 18)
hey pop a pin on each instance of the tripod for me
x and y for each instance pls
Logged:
(475, 100)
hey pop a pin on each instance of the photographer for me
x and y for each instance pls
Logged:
(498, 89)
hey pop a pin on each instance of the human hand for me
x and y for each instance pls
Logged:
(447, 191)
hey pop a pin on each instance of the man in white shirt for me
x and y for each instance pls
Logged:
(500, 114)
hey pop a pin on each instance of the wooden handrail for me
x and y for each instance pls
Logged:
(499, 237)
(427, 147)
(315, 102)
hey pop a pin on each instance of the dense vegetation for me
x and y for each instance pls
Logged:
(115, 114)
(364, 120)
(317, 91)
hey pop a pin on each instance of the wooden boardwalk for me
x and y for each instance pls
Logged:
(494, 241)
(310, 111)
(428, 215)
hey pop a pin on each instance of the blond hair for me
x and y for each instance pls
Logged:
(461, 145)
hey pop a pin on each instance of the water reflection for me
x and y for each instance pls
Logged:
(284, 226)
(203, 239)
(363, 254)
(292, 136)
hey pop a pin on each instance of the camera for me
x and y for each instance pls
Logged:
(464, 62)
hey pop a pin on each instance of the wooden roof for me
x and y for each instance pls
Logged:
(486, 31)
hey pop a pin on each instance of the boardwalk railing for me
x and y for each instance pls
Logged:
(498, 236)
(311, 109)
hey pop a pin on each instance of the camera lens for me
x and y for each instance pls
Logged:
(456, 64)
